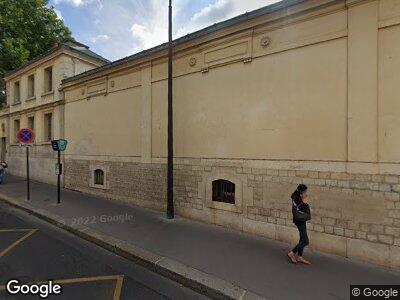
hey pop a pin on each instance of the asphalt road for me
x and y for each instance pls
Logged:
(33, 251)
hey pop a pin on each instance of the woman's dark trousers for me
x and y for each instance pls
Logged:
(302, 227)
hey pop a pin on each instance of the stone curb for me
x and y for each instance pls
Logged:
(204, 283)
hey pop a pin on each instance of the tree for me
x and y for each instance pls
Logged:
(28, 28)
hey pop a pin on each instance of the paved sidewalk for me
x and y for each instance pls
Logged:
(254, 264)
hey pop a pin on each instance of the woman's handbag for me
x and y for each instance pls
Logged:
(299, 215)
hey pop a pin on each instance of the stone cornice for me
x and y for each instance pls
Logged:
(351, 3)
(33, 109)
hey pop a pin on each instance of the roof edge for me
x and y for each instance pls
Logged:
(50, 52)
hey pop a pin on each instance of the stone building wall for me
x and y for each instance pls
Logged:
(131, 182)
(353, 215)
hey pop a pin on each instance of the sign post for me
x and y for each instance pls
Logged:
(26, 137)
(59, 145)
(28, 189)
(170, 160)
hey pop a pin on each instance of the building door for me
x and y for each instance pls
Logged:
(3, 149)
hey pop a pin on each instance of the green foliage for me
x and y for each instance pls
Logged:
(28, 28)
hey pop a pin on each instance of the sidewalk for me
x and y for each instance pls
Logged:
(213, 258)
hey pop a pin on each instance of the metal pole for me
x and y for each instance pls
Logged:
(59, 177)
(28, 190)
(170, 175)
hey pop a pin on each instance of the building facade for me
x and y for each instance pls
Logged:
(35, 101)
(302, 91)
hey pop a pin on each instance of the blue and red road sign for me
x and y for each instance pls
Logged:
(25, 136)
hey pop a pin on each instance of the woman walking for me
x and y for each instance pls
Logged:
(301, 214)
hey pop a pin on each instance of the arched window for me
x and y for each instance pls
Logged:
(99, 177)
(223, 191)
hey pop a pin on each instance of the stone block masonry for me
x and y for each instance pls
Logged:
(347, 209)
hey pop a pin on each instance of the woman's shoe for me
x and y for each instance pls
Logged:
(300, 259)
(292, 257)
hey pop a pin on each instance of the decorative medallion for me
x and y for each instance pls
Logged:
(192, 61)
(112, 83)
(265, 41)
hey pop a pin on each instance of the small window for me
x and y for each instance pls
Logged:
(223, 191)
(48, 79)
(31, 123)
(98, 177)
(48, 127)
(31, 86)
(17, 92)
(16, 129)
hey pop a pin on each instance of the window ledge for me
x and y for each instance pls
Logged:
(16, 103)
(30, 99)
(47, 93)
(99, 186)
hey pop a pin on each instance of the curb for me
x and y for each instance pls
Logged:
(197, 280)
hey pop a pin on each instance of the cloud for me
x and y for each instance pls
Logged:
(58, 13)
(219, 11)
(210, 14)
(77, 3)
(153, 30)
(100, 38)
(213, 12)
(135, 25)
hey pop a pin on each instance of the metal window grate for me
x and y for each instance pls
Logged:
(223, 191)
(99, 177)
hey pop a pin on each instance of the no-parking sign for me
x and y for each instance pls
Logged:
(26, 136)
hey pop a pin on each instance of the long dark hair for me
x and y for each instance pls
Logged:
(297, 193)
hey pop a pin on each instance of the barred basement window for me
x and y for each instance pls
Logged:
(223, 191)
(98, 177)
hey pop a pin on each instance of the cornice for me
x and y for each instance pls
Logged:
(352, 3)
(34, 108)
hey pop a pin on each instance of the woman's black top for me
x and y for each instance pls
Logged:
(300, 210)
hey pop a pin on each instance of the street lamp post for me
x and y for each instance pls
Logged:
(170, 175)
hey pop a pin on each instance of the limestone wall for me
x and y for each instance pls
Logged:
(353, 215)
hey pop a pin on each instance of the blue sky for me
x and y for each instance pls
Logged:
(118, 28)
